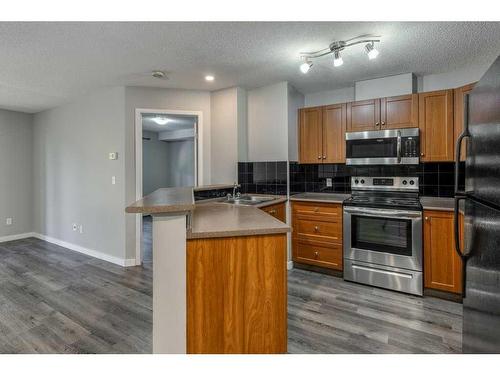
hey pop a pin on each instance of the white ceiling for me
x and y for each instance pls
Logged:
(177, 122)
(45, 64)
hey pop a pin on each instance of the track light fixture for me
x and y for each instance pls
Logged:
(337, 59)
(336, 47)
(304, 68)
(371, 50)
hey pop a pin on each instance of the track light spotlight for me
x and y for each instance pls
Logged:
(371, 50)
(304, 68)
(337, 59)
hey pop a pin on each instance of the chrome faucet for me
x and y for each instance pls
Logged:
(235, 187)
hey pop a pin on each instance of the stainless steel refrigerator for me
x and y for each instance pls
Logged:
(480, 201)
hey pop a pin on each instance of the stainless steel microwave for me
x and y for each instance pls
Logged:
(394, 147)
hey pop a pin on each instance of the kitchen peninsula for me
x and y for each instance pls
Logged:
(219, 275)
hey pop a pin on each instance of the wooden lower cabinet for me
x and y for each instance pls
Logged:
(276, 210)
(317, 234)
(237, 295)
(442, 265)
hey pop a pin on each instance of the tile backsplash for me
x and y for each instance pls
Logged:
(263, 177)
(436, 179)
(270, 177)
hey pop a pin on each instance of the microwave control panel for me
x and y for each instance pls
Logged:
(410, 147)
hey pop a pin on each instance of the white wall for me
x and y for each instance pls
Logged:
(295, 101)
(72, 172)
(242, 124)
(154, 163)
(450, 80)
(224, 136)
(16, 172)
(343, 95)
(400, 84)
(155, 98)
(180, 163)
(268, 123)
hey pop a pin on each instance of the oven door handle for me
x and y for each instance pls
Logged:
(384, 213)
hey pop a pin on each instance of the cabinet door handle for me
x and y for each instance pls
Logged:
(324, 157)
(272, 212)
(377, 123)
(422, 154)
(427, 218)
(319, 156)
(383, 122)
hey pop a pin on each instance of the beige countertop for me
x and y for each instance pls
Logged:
(437, 203)
(215, 219)
(320, 197)
(164, 201)
(212, 218)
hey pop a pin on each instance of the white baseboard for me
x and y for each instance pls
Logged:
(86, 251)
(289, 265)
(14, 237)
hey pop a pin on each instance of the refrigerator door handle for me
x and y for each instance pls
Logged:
(456, 224)
(458, 148)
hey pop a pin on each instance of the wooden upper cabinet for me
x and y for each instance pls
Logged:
(334, 127)
(363, 115)
(459, 97)
(442, 265)
(435, 120)
(310, 135)
(399, 112)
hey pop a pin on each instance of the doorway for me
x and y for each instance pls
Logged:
(167, 155)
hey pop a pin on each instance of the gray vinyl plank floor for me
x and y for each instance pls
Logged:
(53, 300)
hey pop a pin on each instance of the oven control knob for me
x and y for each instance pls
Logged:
(356, 181)
(362, 181)
(405, 182)
(412, 182)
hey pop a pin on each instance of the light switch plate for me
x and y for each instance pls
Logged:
(113, 155)
(328, 182)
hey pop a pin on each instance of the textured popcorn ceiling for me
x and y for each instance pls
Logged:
(43, 65)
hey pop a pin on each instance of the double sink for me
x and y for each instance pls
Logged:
(248, 200)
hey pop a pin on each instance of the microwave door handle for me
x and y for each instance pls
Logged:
(399, 146)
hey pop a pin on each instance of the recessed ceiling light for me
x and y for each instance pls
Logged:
(158, 74)
(162, 120)
(209, 78)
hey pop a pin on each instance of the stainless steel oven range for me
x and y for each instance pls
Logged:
(383, 233)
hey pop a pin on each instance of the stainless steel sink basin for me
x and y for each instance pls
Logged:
(248, 200)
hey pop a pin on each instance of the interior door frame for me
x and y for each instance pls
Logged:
(198, 161)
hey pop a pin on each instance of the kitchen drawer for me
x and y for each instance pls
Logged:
(331, 211)
(330, 231)
(276, 210)
(323, 255)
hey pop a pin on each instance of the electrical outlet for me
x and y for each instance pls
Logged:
(328, 182)
(113, 180)
(75, 227)
(80, 228)
(113, 156)
(8, 221)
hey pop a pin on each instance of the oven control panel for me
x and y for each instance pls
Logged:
(385, 183)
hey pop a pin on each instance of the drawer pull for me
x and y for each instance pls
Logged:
(316, 209)
(316, 254)
(316, 228)
(272, 212)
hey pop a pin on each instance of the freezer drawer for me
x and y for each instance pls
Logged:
(399, 279)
